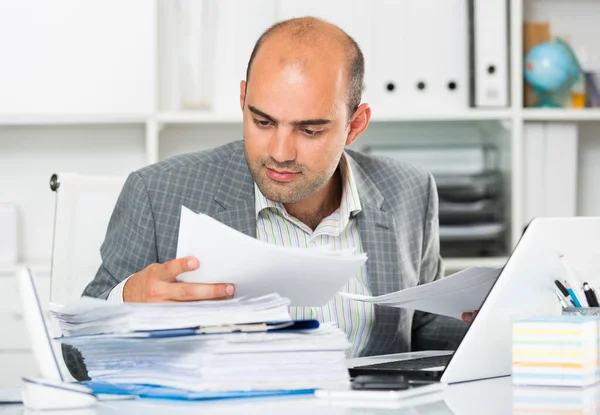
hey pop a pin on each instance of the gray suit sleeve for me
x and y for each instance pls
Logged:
(430, 331)
(130, 243)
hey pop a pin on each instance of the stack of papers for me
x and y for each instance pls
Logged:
(259, 268)
(462, 292)
(557, 351)
(232, 345)
(93, 316)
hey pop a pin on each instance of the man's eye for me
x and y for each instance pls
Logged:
(262, 123)
(312, 133)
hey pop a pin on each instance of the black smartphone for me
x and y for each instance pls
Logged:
(380, 382)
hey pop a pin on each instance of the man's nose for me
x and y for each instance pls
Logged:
(283, 145)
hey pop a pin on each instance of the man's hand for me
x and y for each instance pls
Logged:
(157, 283)
(469, 317)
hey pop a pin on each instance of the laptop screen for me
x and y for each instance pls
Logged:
(37, 327)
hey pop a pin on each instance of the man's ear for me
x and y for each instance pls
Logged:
(358, 123)
(242, 94)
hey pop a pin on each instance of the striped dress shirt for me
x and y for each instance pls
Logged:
(337, 231)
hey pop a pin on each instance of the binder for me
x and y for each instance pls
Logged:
(561, 169)
(488, 23)
(449, 53)
(236, 35)
(534, 33)
(425, 65)
(196, 39)
(534, 150)
(551, 154)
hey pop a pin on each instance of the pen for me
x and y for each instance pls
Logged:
(561, 299)
(564, 291)
(590, 295)
(572, 279)
(572, 294)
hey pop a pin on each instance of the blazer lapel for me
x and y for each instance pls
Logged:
(235, 196)
(378, 232)
(378, 235)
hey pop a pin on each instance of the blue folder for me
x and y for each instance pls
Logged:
(286, 326)
(161, 392)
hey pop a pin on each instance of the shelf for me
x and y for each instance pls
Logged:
(197, 117)
(207, 117)
(200, 117)
(548, 114)
(457, 264)
(10, 120)
(464, 115)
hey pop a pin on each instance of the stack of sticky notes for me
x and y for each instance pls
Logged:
(558, 350)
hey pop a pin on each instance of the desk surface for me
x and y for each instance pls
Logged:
(490, 397)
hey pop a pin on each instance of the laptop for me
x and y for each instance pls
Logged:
(39, 332)
(525, 288)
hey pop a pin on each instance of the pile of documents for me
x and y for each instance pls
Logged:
(462, 292)
(233, 345)
(558, 350)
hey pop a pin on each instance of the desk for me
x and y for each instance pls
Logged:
(488, 397)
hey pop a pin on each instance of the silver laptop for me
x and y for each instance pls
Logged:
(525, 288)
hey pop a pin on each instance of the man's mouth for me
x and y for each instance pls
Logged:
(281, 175)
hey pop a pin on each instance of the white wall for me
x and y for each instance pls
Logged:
(77, 57)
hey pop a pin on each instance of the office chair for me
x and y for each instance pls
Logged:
(84, 205)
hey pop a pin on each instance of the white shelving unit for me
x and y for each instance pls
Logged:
(589, 114)
(93, 139)
(148, 137)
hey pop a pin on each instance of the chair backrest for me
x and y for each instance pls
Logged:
(84, 205)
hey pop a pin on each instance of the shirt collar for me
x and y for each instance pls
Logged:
(349, 204)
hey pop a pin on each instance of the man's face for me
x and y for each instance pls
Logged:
(295, 123)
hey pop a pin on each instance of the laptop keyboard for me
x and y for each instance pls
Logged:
(412, 364)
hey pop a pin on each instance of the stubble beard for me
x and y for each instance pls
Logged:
(291, 192)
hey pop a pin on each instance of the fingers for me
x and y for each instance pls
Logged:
(184, 291)
(469, 317)
(158, 283)
(171, 269)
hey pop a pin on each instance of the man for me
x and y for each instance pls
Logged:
(291, 182)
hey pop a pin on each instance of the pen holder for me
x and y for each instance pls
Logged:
(583, 311)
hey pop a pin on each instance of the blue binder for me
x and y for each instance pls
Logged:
(161, 392)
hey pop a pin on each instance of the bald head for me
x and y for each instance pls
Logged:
(297, 40)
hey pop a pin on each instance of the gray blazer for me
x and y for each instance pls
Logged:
(398, 226)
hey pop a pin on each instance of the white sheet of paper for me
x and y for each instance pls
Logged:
(451, 296)
(308, 277)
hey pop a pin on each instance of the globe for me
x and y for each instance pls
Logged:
(551, 68)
